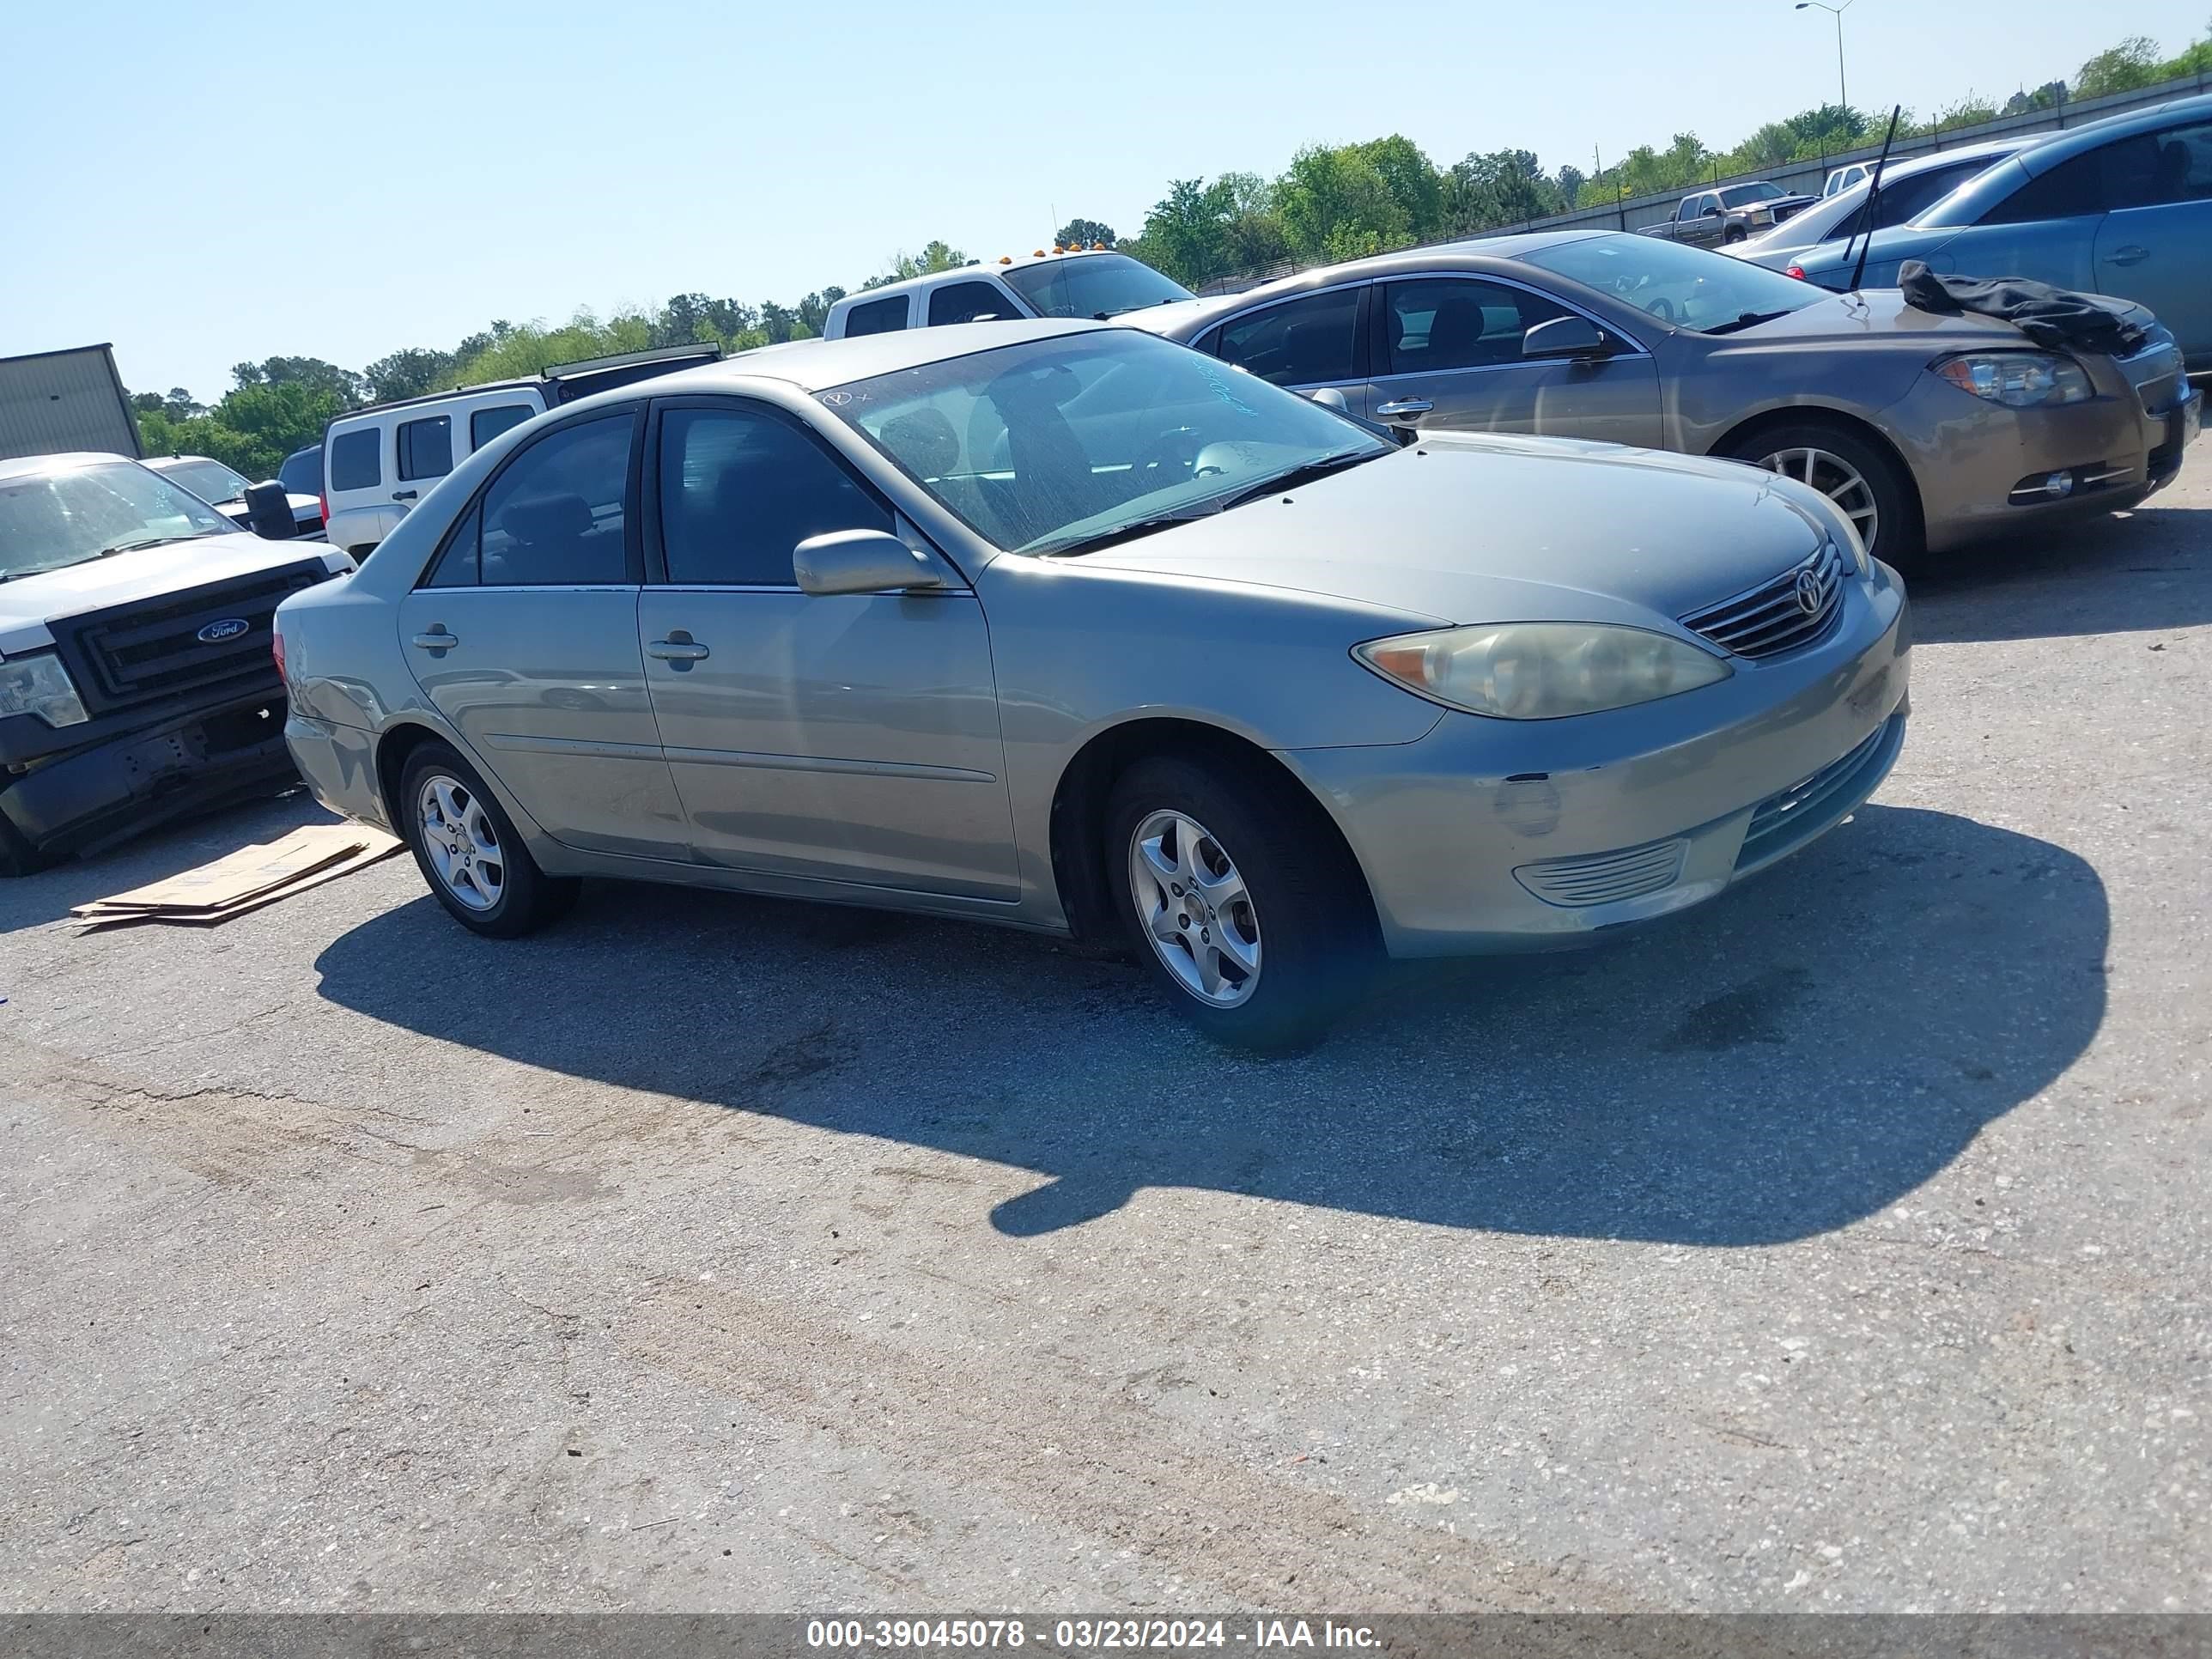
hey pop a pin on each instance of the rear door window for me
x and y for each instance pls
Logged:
(2120, 174)
(302, 471)
(558, 514)
(969, 302)
(1303, 342)
(426, 447)
(876, 317)
(356, 460)
(485, 424)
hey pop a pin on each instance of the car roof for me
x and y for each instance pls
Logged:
(973, 269)
(2056, 147)
(1477, 254)
(817, 365)
(29, 466)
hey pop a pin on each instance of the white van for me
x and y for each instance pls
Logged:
(377, 461)
(1095, 282)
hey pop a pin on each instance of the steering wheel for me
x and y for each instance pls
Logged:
(1176, 448)
(1662, 308)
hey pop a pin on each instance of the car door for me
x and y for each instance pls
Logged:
(523, 632)
(1702, 219)
(2154, 243)
(2045, 230)
(847, 738)
(1304, 344)
(1446, 350)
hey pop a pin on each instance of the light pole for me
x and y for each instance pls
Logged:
(1842, 93)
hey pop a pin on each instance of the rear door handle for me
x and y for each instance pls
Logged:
(402, 494)
(1398, 406)
(676, 650)
(2129, 255)
(437, 640)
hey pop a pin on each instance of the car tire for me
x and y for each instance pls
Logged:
(1736, 234)
(1900, 535)
(1304, 921)
(17, 856)
(469, 852)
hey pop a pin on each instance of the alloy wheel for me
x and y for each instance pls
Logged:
(461, 841)
(1194, 909)
(1835, 478)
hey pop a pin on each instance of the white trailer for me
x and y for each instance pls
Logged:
(54, 401)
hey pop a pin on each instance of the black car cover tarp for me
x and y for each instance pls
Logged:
(2049, 316)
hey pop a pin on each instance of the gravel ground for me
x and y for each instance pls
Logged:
(1842, 1244)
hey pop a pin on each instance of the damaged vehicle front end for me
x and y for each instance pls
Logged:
(136, 683)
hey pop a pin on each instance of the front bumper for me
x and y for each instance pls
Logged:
(121, 783)
(1970, 460)
(1494, 835)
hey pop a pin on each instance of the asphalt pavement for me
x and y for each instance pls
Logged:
(1841, 1244)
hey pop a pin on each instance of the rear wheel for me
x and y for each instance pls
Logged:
(1870, 487)
(468, 851)
(1246, 908)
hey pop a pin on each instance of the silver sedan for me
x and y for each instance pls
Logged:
(1070, 628)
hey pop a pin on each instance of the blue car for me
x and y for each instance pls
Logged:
(2122, 206)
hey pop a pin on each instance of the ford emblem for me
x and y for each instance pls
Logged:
(228, 628)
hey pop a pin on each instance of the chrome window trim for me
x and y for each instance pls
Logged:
(1292, 299)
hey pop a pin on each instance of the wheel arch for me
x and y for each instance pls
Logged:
(1845, 420)
(1079, 805)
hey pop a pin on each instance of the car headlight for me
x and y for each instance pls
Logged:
(2017, 380)
(1541, 670)
(39, 685)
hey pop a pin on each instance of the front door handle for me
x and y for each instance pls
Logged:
(2129, 255)
(680, 648)
(1398, 406)
(437, 640)
(402, 494)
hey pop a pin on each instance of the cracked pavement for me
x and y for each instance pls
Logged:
(1840, 1245)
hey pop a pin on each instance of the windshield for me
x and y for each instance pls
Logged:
(1739, 195)
(211, 480)
(50, 519)
(1048, 446)
(1093, 285)
(1688, 287)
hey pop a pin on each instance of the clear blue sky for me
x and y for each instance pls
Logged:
(426, 168)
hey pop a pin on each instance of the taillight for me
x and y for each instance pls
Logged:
(325, 500)
(277, 650)
(1798, 271)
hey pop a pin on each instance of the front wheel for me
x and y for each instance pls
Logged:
(1247, 911)
(468, 851)
(1870, 488)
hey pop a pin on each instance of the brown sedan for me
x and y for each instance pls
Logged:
(1928, 431)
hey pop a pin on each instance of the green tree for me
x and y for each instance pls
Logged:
(311, 372)
(2050, 96)
(1413, 182)
(934, 257)
(409, 373)
(1336, 205)
(1082, 232)
(1505, 187)
(1186, 233)
(2133, 62)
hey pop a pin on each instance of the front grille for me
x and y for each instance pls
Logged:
(1803, 809)
(150, 649)
(1605, 877)
(1775, 617)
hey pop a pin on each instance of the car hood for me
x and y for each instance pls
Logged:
(1468, 527)
(28, 604)
(1875, 313)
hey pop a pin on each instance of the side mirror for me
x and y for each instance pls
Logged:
(859, 561)
(1566, 337)
(1329, 397)
(1712, 210)
(269, 511)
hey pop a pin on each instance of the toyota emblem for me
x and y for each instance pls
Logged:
(228, 628)
(1808, 593)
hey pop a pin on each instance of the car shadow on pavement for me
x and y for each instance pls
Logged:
(1798, 1055)
(2138, 572)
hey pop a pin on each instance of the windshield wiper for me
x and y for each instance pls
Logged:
(1746, 319)
(157, 541)
(1303, 475)
(1129, 531)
